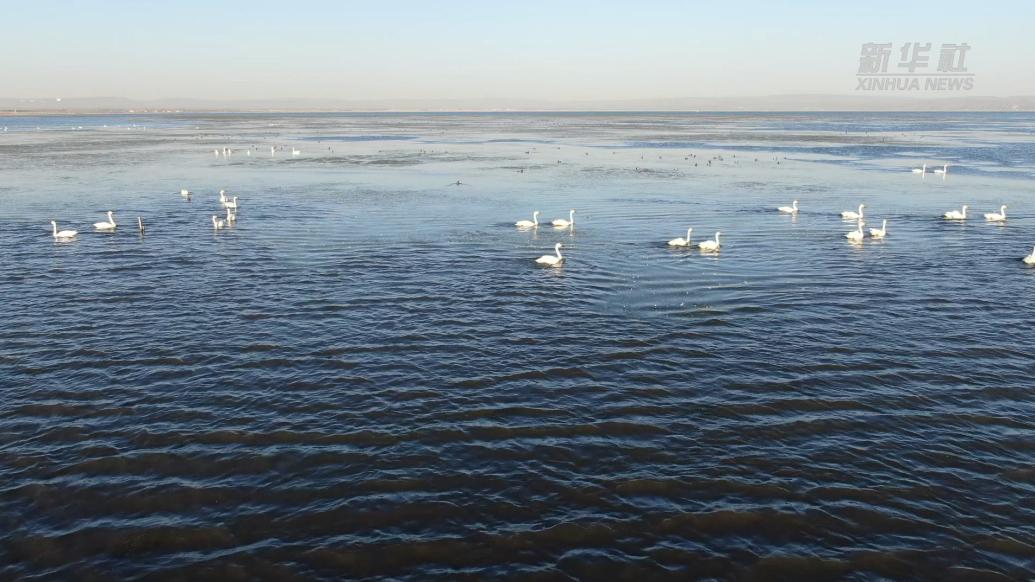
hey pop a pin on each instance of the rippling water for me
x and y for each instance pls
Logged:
(369, 377)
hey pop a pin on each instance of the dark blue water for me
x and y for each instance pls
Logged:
(368, 376)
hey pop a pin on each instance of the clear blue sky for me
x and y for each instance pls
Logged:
(459, 49)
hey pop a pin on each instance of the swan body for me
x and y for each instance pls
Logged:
(880, 232)
(681, 242)
(562, 223)
(217, 223)
(231, 218)
(854, 215)
(792, 209)
(944, 170)
(710, 245)
(63, 234)
(222, 197)
(960, 214)
(529, 223)
(110, 225)
(921, 170)
(1030, 259)
(996, 216)
(857, 234)
(231, 204)
(552, 260)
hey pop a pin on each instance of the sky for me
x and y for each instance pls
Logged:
(519, 49)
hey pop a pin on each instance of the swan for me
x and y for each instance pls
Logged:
(217, 223)
(921, 170)
(231, 203)
(560, 222)
(140, 224)
(880, 232)
(552, 260)
(792, 209)
(996, 216)
(185, 193)
(222, 197)
(64, 234)
(853, 215)
(1030, 259)
(295, 152)
(710, 245)
(230, 217)
(956, 214)
(529, 223)
(857, 234)
(944, 170)
(681, 242)
(110, 225)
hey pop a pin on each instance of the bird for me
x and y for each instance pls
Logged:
(140, 225)
(849, 215)
(560, 222)
(1030, 259)
(710, 245)
(185, 193)
(529, 223)
(110, 225)
(222, 197)
(681, 242)
(996, 216)
(230, 217)
(295, 152)
(921, 170)
(217, 223)
(857, 234)
(956, 214)
(64, 234)
(880, 232)
(552, 260)
(944, 170)
(792, 209)
(231, 204)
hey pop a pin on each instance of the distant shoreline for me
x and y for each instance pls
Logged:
(93, 112)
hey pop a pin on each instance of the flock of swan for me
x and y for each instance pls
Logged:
(229, 204)
(713, 245)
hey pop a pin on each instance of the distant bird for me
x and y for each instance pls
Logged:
(1030, 259)
(857, 234)
(849, 215)
(997, 216)
(295, 152)
(944, 170)
(956, 214)
(186, 193)
(880, 232)
(64, 234)
(230, 217)
(561, 223)
(231, 204)
(681, 242)
(109, 225)
(792, 209)
(222, 197)
(552, 260)
(920, 170)
(529, 223)
(217, 223)
(710, 245)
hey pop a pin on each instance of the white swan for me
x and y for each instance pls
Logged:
(529, 223)
(1030, 259)
(185, 193)
(880, 232)
(944, 170)
(921, 170)
(848, 214)
(64, 234)
(217, 223)
(140, 224)
(110, 225)
(710, 245)
(230, 217)
(560, 222)
(956, 214)
(681, 242)
(231, 203)
(996, 216)
(222, 197)
(552, 260)
(295, 152)
(857, 234)
(792, 209)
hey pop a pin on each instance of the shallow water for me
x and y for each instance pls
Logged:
(368, 376)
